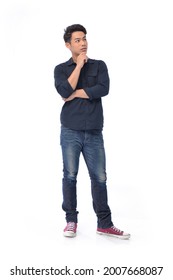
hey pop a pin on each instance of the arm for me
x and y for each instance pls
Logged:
(66, 85)
(61, 83)
(80, 93)
(74, 77)
(100, 89)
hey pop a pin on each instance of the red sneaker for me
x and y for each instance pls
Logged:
(113, 231)
(70, 229)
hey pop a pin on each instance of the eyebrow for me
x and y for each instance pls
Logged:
(77, 38)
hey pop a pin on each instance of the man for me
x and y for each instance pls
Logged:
(82, 82)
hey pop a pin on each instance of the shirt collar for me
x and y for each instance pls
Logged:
(71, 62)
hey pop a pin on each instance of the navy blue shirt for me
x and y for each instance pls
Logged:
(80, 113)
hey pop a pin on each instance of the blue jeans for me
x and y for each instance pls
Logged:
(90, 144)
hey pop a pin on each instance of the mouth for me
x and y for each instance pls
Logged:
(84, 49)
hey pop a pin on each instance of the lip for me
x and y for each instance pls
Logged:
(84, 49)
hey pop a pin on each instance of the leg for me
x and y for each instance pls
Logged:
(94, 155)
(71, 149)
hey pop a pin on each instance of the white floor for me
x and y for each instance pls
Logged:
(33, 232)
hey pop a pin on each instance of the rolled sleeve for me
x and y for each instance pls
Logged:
(61, 83)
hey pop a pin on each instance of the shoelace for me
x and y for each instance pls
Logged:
(71, 226)
(116, 229)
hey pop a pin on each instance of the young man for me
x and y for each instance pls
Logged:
(82, 82)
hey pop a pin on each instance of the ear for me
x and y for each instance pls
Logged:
(67, 44)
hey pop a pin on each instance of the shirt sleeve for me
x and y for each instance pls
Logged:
(101, 88)
(62, 85)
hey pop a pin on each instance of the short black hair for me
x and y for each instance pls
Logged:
(73, 28)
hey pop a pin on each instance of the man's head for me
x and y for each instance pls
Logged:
(73, 28)
(75, 40)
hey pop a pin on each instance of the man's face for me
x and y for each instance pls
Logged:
(78, 43)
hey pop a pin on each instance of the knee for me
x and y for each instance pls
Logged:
(100, 178)
(71, 176)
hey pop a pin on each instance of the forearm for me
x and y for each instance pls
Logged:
(74, 77)
(79, 93)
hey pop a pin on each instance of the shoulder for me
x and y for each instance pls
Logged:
(63, 64)
(98, 62)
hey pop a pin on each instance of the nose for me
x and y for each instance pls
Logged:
(84, 43)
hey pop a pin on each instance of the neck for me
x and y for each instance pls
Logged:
(74, 57)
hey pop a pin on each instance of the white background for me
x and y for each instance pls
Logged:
(135, 39)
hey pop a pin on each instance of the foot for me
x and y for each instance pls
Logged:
(70, 229)
(113, 231)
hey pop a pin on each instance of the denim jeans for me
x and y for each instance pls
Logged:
(90, 144)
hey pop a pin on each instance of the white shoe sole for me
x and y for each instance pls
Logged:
(69, 234)
(127, 236)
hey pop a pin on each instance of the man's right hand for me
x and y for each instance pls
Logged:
(82, 59)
